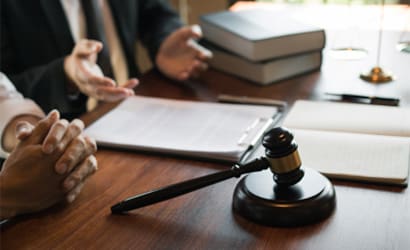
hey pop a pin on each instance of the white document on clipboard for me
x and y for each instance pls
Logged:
(207, 130)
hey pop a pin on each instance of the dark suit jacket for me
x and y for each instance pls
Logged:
(35, 38)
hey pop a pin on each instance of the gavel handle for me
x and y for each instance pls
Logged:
(175, 190)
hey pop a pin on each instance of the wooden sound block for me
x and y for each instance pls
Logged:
(258, 198)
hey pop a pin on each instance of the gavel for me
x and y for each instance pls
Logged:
(287, 195)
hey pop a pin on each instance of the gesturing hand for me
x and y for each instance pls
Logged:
(81, 68)
(180, 57)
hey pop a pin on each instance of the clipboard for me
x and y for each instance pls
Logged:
(201, 130)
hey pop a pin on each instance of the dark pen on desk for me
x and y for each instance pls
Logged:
(252, 100)
(367, 99)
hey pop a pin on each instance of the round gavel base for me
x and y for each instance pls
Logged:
(258, 198)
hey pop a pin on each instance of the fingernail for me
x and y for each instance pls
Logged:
(197, 29)
(54, 115)
(61, 168)
(21, 128)
(70, 198)
(69, 184)
(208, 53)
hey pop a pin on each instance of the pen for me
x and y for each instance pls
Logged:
(370, 99)
(252, 100)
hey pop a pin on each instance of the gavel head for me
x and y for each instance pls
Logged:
(281, 152)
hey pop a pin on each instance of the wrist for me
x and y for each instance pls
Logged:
(71, 87)
(6, 207)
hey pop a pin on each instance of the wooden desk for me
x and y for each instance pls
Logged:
(366, 217)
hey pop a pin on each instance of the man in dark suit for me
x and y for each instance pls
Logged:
(42, 48)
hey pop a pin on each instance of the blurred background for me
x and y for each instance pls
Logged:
(191, 10)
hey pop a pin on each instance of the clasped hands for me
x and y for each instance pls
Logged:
(49, 164)
(179, 58)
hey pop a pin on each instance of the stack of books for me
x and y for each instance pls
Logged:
(262, 45)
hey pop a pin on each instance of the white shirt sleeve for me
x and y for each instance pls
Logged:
(13, 104)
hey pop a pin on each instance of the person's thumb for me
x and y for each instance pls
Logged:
(23, 130)
(39, 132)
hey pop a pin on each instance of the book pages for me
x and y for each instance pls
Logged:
(355, 156)
(353, 141)
(349, 117)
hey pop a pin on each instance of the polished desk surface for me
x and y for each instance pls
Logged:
(366, 217)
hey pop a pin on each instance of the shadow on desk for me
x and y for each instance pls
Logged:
(373, 186)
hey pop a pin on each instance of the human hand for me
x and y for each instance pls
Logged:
(81, 69)
(28, 180)
(180, 57)
(77, 159)
(9, 137)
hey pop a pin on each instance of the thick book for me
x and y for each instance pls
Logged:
(261, 34)
(349, 141)
(203, 130)
(263, 72)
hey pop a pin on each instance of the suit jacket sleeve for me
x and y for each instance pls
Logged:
(12, 104)
(157, 20)
(45, 83)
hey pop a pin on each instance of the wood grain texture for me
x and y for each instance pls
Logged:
(366, 217)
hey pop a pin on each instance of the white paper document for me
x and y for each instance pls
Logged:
(190, 128)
